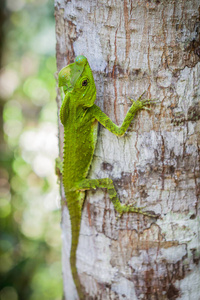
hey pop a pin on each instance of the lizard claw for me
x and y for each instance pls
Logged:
(149, 101)
(118, 216)
(131, 204)
(141, 96)
(132, 100)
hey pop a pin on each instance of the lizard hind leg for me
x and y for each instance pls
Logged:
(107, 183)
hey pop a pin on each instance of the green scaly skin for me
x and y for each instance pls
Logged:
(80, 116)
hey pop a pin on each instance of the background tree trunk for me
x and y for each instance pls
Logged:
(133, 46)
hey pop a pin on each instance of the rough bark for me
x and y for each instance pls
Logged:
(134, 46)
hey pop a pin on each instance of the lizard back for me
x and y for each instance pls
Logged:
(80, 136)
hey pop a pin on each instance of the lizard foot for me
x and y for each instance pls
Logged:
(143, 102)
(58, 166)
(130, 208)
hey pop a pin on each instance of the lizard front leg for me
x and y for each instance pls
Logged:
(120, 130)
(107, 183)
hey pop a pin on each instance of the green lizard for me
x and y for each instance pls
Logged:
(80, 116)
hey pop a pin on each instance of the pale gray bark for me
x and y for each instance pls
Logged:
(134, 46)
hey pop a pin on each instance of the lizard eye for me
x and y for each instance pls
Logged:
(84, 83)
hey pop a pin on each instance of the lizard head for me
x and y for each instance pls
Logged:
(77, 79)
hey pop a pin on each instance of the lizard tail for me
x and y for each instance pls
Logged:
(75, 217)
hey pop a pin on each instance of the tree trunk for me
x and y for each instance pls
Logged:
(133, 46)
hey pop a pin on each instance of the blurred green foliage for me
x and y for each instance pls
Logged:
(29, 208)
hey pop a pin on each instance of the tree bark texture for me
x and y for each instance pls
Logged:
(133, 46)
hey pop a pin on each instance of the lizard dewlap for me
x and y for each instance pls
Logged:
(80, 116)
